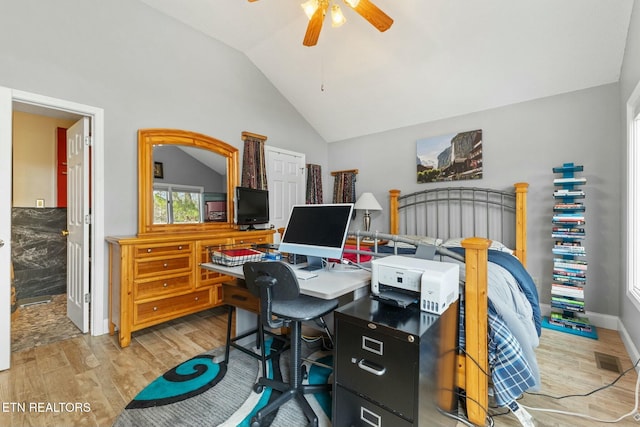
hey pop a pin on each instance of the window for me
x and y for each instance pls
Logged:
(177, 204)
(633, 197)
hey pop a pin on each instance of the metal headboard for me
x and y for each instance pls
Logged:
(459, 212)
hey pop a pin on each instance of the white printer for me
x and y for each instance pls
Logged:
(401, 280)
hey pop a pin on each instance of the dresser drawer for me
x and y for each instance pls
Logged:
(159, 250)
(166, 265)
(164, 286)
(383, 365)
(253, 240)
(172, 306)
(352, 410)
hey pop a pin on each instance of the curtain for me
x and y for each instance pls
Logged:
(344, 187)
(254, 171)
(314, 184)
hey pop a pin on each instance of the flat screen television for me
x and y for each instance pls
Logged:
(317, 231)
(251, 207)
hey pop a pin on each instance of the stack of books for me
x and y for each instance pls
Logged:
(569, 253)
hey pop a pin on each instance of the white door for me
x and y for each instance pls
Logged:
(287, 183)
(5, 227)
(78, 221)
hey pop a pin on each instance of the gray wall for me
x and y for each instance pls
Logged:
(521, 142)
(629, 79)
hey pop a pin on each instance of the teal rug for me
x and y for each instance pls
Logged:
(201, 391)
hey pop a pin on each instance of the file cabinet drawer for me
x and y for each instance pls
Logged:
(355, 411)
(382, 364)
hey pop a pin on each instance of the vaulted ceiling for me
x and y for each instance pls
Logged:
(440, 59)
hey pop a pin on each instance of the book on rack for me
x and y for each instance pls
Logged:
(565, 192)
(570, 274)
(569, 207)
(575, 230)
(567, 291)
(574, 308)
(568, 217)
(577, 323)
(570, 180)
(563, 235)
(567, 280)
(574, 264)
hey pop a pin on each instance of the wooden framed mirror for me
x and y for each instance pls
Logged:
(175, 163)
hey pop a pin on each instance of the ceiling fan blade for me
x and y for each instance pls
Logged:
(374, 15)
(315, 25)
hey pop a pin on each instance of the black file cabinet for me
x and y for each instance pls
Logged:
(394, 367)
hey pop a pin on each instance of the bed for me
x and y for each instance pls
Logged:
(492, 350)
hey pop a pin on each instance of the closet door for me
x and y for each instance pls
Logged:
(287, 183)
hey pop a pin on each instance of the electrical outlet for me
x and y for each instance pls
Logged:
(636, 416)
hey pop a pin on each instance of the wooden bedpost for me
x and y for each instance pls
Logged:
(394, 226)
(475, 311)
(521, 221)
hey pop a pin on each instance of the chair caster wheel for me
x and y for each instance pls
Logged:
(258, 389)
(255, 423)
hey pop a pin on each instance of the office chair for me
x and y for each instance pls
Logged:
(282, 305)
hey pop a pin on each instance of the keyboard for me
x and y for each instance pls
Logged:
(304, 275)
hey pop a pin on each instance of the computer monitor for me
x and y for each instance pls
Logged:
(252, 206)
(317, 231)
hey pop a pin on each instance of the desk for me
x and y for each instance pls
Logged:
(348, 285)
(329, 284)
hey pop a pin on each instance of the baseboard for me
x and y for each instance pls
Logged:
(634, 355)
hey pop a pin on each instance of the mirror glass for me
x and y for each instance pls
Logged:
(185, 179)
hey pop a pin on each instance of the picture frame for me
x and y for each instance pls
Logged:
(452, 157)
(158, 170)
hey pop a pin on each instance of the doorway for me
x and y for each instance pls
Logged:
(9, 99)
(39, 223)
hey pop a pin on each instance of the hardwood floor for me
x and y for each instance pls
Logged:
(87, 381)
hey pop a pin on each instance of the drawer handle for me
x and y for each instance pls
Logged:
(180, 247)
(370, 417)
(371, 367)
(165, 285)
(155, 308)
(165, 265)
(197, 298)
(149, 250)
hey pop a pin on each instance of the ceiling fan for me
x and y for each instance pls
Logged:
(317, 9)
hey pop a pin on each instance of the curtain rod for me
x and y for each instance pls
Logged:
(334, 173)
(246, 135)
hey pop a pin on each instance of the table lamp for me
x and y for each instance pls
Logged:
(367, 202)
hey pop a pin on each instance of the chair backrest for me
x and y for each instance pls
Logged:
(286, 286)
(271, 281)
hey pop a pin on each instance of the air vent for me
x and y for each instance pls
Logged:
(608, 362)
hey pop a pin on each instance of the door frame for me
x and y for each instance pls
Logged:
(98, 323)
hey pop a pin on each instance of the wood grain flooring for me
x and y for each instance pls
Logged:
(87, 381)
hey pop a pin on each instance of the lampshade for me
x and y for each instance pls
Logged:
(366, 201)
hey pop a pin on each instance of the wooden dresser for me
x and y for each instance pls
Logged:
(156, 278)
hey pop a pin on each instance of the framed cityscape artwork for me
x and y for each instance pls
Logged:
(450, 157)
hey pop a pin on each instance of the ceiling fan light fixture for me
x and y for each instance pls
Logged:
(310, 7)
(337, 18)
(352, 3)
